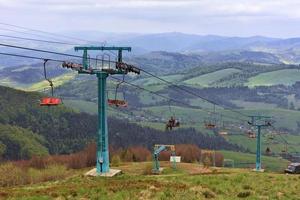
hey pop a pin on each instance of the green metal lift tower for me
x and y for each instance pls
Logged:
(259, 122)
(102, 160)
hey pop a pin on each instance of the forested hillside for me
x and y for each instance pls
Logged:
(27, 129)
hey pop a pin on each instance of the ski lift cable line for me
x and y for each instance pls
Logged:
(52, 52)
(192, 93)
(44, 32)
(56, 35)
(139, 87)
(30, 57)
(151, 74)
(37, 40)
(34, 34)
(285, 141)
(173, 100)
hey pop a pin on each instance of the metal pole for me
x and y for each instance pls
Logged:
(85, 59)
(120, 55)
(102, 164)
(258, 149)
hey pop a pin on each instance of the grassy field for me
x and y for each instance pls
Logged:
(285, 77)
(208, 79)
(188, 181)
(57, 81)
(190, 117)
(253, 105)
(245, 160)
(152, 80)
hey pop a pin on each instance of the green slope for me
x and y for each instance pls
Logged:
(19, 143)
(285, 77)
(245, 160)
(209, 79)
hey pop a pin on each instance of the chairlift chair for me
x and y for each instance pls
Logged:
(118, 102)
(172, 123)
(251, 134)
(49, 101)
(268, 150)
(209, 125)
(211, 121)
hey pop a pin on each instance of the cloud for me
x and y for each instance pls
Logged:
(196, 16)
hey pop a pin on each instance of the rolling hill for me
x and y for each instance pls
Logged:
(27, 128)
(278, 77)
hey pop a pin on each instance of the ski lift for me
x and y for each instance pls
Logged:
(223, 130)
(118, 102)
(49, 101)
(268, 151)
(172, 122)
(251, 134)
(223, 133)
(211, 121)
(271, 137)
(209, 125)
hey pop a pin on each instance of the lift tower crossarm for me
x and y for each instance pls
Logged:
(259, 121)
(99, 48)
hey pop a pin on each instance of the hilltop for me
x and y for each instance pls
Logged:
(188, 181)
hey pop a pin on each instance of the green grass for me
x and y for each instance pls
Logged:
(253, 105)
(92, 108)
(153, 81)
(285, 77)
(82, 106)
(209, 79)
(190, 181)
(268, 162)
(57, 81)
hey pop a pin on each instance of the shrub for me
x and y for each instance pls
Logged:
(188, 152)
(244, 194)
(135, 154)
(115, 161)
(211, 158)
(12, 175)
(148, 169)
(219, 159)
(38, 162)
(206, 161)
(208, 194)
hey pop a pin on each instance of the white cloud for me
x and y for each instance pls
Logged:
(198, 16)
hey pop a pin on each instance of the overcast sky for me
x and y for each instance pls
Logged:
(277, 18)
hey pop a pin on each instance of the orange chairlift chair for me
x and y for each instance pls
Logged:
(49, 101)
(118, 102)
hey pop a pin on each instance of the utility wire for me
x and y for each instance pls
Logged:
(52, 52)
(32, 34)
(149, 73)
(139, 87)
(30, 57)
(190, 92)
(45, 32)
(71, 55)
(49, 33)
(36, 40)
(170, 99)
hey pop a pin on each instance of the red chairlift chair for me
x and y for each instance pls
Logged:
(49, 101)
(118, 102)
